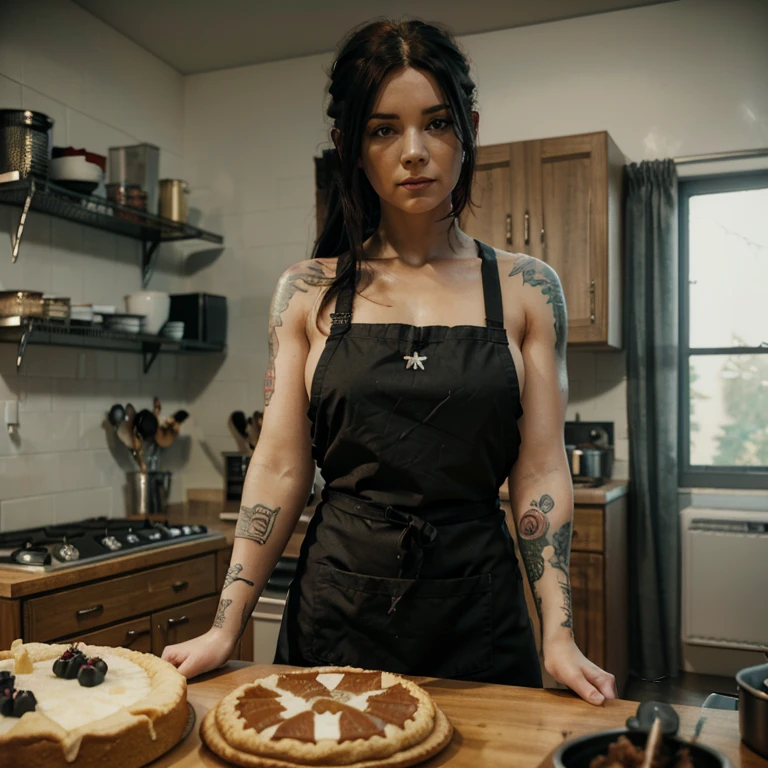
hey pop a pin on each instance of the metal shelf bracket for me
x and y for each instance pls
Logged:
(148, 250)
(149, 352)
(16, 239)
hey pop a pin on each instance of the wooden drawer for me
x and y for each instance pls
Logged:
(588, 529)
(135, 634)
(73, 611)
(182, 622)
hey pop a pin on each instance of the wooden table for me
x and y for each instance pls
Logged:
(496, 725)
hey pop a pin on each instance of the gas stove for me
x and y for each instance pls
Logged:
(52, 547)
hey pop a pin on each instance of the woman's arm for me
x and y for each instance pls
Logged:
(541, 490)
(279, 476)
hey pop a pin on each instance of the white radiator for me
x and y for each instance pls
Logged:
(725, 578)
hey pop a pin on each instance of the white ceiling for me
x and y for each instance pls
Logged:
(204, 35)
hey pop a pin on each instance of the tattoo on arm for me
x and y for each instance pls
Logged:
(540, 275)
(256, 523)
(533, 539)
(233, 575)
(218, 622)
(301, 280)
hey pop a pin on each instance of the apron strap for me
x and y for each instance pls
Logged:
(342, 317)
(494, 313)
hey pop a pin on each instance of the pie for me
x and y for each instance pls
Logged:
(326, 716)
(137, 712)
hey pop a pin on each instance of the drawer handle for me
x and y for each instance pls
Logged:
(177, 586)
(176, 622)
(132, 634)
(88, 611)
(575, 533)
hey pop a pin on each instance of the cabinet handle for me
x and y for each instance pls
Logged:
(527, 228)
(88, 611)
(542, 234)
(509, 229)
(177, 586)
(175, 622)
(132, 634)
(592, 302)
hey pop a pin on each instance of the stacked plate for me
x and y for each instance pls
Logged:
(173, 329)
(100, 310)
(81, 313)
(123, 322)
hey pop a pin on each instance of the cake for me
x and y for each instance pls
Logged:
(122, 709)
(326, 716)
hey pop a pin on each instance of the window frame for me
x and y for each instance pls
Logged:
(700, 475)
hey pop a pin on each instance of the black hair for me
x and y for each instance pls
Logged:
(366, 56)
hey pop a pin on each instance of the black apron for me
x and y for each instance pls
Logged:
(407, 564)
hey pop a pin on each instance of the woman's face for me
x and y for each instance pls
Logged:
(410, 134)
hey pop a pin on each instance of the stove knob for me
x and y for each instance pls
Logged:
(67, 553)
(196, 529)
(132, 538)
(111, 543)
(186, 530)
(174, 532)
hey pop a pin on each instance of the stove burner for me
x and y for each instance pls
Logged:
(97, 538)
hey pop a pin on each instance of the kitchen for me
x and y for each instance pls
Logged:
(244, 136)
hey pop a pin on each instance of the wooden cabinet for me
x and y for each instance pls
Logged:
(560, 200)
(598, 586)
(144, 610)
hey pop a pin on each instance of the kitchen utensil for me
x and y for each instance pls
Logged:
(154, 305)
(145, 424)
(652, 744)
(240, 423)
(138, 448)
(753, 707)
(156, 407)
(203, 314)
(124, 429)
(136, 165)
(25, 142)
(173, 199)
(253, 428)
(169, 430)
(14, 303)
(579, 752)
(116, 415)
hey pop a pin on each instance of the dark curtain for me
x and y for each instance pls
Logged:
(651, 298)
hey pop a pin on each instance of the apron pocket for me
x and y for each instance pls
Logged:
(440, 627)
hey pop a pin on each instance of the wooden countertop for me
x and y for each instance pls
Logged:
(602, 494)
(496, 725)
(15, 583)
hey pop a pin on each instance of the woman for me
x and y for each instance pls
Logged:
(415, 351)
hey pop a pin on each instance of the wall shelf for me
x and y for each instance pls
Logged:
(99, 213)
(25, 330)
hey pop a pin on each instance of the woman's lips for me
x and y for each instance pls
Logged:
(417, 184)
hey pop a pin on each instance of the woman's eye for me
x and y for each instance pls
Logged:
(439, 123)
(382, 130)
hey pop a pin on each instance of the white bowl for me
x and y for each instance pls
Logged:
(155, 305)
(74, 168)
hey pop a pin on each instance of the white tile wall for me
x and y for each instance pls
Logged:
(102, 90)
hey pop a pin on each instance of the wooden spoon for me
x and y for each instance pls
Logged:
(654, 737)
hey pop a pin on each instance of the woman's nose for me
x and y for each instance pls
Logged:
(414, 149)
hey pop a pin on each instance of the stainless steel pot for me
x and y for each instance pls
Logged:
(148, 492)
(753, 708)
(173, 199)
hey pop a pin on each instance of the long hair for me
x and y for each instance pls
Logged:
(366, 58)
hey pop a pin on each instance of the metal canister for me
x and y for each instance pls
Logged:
(173, 199)
(25, 142)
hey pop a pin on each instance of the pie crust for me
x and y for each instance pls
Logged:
(131, 737)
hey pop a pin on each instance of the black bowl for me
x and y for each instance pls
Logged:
(81, 187)
(579, 752)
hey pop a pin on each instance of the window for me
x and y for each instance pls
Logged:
(724, 331)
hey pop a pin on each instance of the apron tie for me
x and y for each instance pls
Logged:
(416, 536)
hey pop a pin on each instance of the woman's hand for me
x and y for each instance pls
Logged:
(201, 654)
(569, 666)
